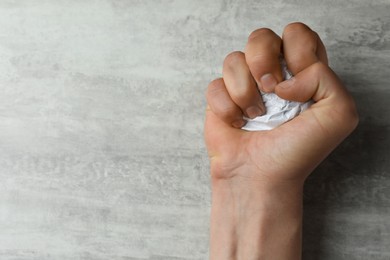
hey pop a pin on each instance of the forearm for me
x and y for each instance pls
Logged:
(255, 220)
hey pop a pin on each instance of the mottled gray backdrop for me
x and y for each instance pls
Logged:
(101, 117)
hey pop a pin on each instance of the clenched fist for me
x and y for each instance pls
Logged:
(257, 177)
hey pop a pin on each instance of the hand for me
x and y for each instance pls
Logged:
(257, 177)
(293, 150)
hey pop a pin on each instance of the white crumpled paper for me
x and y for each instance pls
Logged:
(278, 110)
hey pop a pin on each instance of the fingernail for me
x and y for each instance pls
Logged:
(268, 82)
(253, 111)
(239, 123)
(260, 104)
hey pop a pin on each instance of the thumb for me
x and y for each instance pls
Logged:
(317, 82)
(313, 134)
(334, 107)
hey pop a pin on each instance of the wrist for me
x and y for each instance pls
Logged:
(255, 220)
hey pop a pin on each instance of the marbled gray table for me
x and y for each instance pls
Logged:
(101, 116)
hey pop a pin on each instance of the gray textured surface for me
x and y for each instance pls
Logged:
(101, 114)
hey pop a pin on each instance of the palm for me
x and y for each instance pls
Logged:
(281, 154)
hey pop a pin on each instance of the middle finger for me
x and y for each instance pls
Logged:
(262, 54)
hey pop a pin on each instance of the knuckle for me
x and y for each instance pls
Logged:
(214, 88)
(216, 83)
(296, 27)
(263, 42)
(302, 31)
(262, 32)
(233, 59)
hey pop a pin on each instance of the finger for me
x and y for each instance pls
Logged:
(262, 54)
(241, 85)
(316, 82)
(334, 105)
(222, 105)
(302, 47)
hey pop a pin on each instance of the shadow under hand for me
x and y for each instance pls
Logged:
(349, 188)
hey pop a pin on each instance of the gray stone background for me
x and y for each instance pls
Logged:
(101, 116)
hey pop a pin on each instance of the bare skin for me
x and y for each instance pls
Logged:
(258, 177)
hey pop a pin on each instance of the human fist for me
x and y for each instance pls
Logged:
(292, 150)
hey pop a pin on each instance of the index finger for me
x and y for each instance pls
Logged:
(262, 54)
(302, 47)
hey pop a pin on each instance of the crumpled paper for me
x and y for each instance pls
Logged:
(278, 110)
